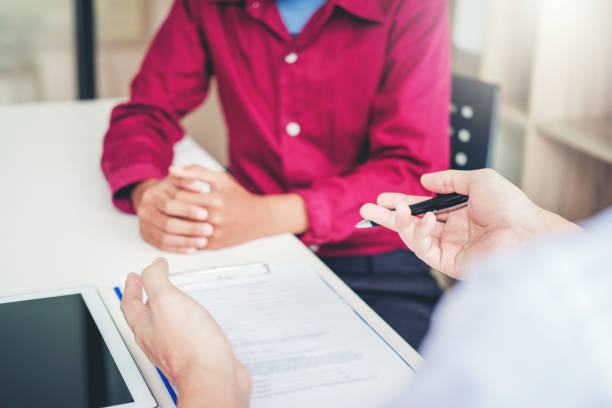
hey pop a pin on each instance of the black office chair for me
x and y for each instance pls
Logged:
(473, 122)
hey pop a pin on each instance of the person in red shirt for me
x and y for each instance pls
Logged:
(319, 122)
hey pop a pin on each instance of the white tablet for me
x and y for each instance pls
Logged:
(62, 349)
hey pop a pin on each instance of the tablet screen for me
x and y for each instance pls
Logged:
(52, 355)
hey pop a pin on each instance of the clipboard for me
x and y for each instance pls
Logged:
(239, 272)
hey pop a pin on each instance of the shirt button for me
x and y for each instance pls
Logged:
(291, 58)
(313, 247)
(293, 129)
(256, 4)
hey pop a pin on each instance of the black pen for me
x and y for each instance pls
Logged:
(439, 204)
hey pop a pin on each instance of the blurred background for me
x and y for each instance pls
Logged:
(551, 58)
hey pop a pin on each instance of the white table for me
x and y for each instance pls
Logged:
(59, 228)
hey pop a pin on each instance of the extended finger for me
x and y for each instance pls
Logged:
(449, 181)
(205, 200)
(165, 239)
(390, 200)
(452, 181)
(175, 250)
(178, 208)
(380, 215)
(175, 225)
(189, 184)
(132, 305)
(157, 242)
(199, 198)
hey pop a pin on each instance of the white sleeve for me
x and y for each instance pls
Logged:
(518, 333)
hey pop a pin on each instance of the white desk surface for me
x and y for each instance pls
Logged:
(60, 228)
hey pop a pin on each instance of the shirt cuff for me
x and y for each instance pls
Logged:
(319, 216)
(125, 176)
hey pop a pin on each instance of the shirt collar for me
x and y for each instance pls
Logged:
(365, 9)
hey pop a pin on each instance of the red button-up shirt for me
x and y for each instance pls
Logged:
(355, 105)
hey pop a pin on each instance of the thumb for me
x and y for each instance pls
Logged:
(450, 181)
(155, 278)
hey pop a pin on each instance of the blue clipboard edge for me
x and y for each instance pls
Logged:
(163, 377)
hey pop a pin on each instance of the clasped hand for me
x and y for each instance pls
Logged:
(176, 216)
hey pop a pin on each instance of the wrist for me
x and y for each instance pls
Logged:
(552, 223)
(214, 387)
(538, 222)
(285, 213)
(192, 390)
(138, 190)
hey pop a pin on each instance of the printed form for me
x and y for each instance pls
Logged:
(302, 343)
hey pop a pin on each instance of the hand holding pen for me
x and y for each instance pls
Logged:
(442, 203)
(497, 215)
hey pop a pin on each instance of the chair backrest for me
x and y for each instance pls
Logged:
(473, 121)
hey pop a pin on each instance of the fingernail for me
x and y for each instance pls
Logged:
(402, 206)
(193, 186)
(202, 187)
(128, 277)
(201, 242)
(158, 260)
(207, 229)
(201, 214)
